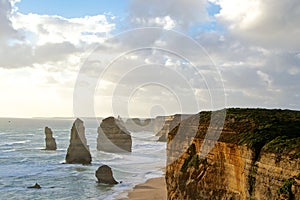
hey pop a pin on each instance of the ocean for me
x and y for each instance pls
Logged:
(23, 162)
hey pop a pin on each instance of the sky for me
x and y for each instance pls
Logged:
(138, 58)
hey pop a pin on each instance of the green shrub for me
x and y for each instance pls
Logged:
(286, 188)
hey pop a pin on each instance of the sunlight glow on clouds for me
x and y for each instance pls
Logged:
(255, 44)
(182, 13)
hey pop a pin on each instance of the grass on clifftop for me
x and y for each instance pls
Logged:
(276, 131)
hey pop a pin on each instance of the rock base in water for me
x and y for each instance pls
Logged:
(104, 175)
(36, 186)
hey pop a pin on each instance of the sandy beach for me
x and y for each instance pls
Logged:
(154, 188)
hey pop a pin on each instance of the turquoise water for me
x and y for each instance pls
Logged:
(23, 162)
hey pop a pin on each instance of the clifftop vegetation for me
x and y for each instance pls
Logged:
(276, 131)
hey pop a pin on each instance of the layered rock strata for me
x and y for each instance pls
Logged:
(257, 156)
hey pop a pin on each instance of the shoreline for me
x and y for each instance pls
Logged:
(153, 188)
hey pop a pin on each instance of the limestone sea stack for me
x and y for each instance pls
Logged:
(113, 136)
(104, 175)
(50, 141)
(78, 150)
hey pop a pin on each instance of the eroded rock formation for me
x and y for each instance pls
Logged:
(169, 123)
(50, 141)
(159, 122)
(256, 157)
(78, 150)
(35, 186)
(113, 136)
(104, 175)
(137, 124)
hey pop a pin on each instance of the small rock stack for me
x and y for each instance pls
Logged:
(104, 175)
(50, 141)
(78, 150)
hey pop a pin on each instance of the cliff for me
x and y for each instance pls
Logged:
(78, 150)
(256, 156)
(137, 125)
(169, 122)
(113, 136)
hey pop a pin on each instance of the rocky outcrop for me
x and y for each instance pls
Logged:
(137, 124)
(35, 186)
(169, 123)
(256, 156)
(104, 175)
(113, 136)
(78, 150)
(158, 123)
(50, 141)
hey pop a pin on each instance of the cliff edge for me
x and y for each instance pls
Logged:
(256, 156)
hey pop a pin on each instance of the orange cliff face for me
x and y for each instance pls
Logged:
(240, 164)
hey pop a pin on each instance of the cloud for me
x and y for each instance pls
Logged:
(254, 74)
(55, 29)
(256, 53)
(167, 14)
(24, 55)
(30, 39)
(268, 23)
(7, 31)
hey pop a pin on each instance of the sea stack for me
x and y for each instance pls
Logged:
(113, 136)
(104, 175)
(50, 141)
(78, 150)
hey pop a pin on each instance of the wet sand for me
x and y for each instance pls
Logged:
(154, 188)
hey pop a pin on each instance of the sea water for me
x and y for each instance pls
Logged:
(23, 162)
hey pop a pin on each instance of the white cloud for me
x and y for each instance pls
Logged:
(254, 76)
(167, 14)
(39, 39)
(55, 29)
(39, 59)
(270, 23)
